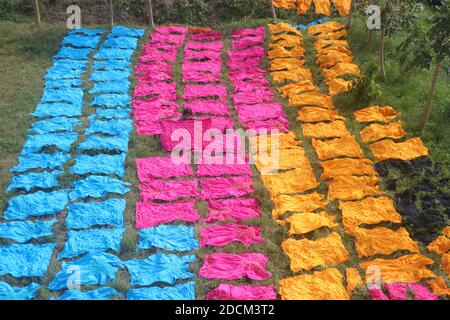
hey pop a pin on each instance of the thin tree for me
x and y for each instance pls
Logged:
(150, 14)
(111, 11)
(274, 13)
(350, 14)
(37, 13)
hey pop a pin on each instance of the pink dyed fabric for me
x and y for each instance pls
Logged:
(172, 29)
(377, 294)
(200, 55)
(191, 128)
(236, 210)
(219, 123)
(161, 167)
(233, 143)
(156, 76)
(205, 36)
(396, 291)
(229, 266)
(231, 292)
(200, 76)
(254, 97)
(194, 91)
(264, 111)
(246, 42)
(158, 55)
(214, 66)
(399, 291)
(155, 103)
(215, 188)
(281, 124)
(252, 52)
(163, 89)
(168, 190)
(239, 33)
(153, 115)
(155, 67)
(150, 214)
(176, 39)
(200, 46)
(421, 292)
(218, 166)
(215, 107)
(222, 235)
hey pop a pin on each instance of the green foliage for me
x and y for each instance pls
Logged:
(6, 9)
(365, 88)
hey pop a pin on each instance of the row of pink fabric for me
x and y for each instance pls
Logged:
(216, 188)
(202, 55)
(222, 235)
(240, 33)
(231, 292)
(164, 90)
(199, 91)
(161, 167)
(168, 190)
(206, 36)
(199, 46)
(399, 291)
(215, 107)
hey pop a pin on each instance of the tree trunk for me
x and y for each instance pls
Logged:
(37, 13)
(150, 14)
(274, 14)
(426, 111)
(382, 36)
(369, 42)
(350, 15)
(111, 10)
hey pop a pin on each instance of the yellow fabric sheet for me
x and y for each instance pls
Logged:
(369, 242)
(339, 85)
(284, 159)
(440, 245)
(323, 130)
(340, 147)
(292, 75)
(354, 279)
(301, 223)
(323, 7)
(353, 187)
(343, 6)
(341, 69)
(303, 6)
(285, 40)
(446, 231)
(330, 26)
(311, 99)
(408, 268)
(294, 181)
(376, 132)
(300, 203)
(439, 287)
(376, 114)
(280, 52)
(284, 4)
(282, 27)
(279, 64)
(307, 254)
(333, 47)
(335, 35)
(322, 44)
(408, 150)
(331, 58)
(261, 143)
(368, 211)
(321, 285)
(297, 88)
(445, 262)
(346, 166)
(314, 114)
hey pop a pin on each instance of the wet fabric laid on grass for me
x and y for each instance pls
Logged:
(438, 286)
(315, 114)
(93, 240)
(353, 187)
(94, 142)
(119, 113)
(41, 161)
(44, 110)
(184, 291)
(340, 147)
(215, 188)
(168, 190)
(307, 254)
(83, 215)
(236, 210)
(36, 204)
(25, 260)
(36, 143)
(322, 130)
(166, 268)
(320, 285)
(170, 238)
(8, 292)
(345, 166)
(95, 268)
(110, 87)
(97, 294)
(97, 187)
(55, 124)
(294, 181)
(151, 215)
(215, 107)
(218, 166)
(28, 181)
(22, 231)
(440, 246)
(100, 164)
(283, 159)
(276, 141)
(222, 235)
(161, 167)
(376, 132)
(408, 150)
(301, 223)
(114, 54)
(112, 100)
(231, 292)
(376, 114)
(353, 279)
(299, 203)
(229, 266)
(72, 53)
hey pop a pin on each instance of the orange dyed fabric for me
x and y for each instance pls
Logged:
(376, 114)
(285, 40)
(368, 211)
(323, 7)
(263, 144)
(341, 69)
(307, 254)
(283, 159)
(330, 26)
(353, 279)
(320, 285)
(408, 268)
(297, 88)
(314, 114)
(294, 181)
(331, 58)
(321, 130)
(303, 6)
(343, 6)
(440, 245)
(439, 287)
(280, 52)
(300, 203)
(445, 262)
(311, 99)
(353, 187)
(408, 150)
(324, 44)
(301, 223)
(284, 4)
(345, 166)
(338, 85)
(330, 149)
(292, 75)
(279, 64)
(376, 132)
(282, 27)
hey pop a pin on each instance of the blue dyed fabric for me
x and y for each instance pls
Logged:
(185, 291)
(93, 240)
(114, 54)
(25, 260)
(63, 83)
(81, 41)
(112, 100)
(97, 294)
(111, 127)
(71, 95)
(119, 113)
(60, 73)
(56, 124)
(87, 32)
(36, 204)
(111, 87)
(96, 268)
(22, 231)
(97, 187)
(111, 65)
(36, 143)
(7, 292)
(86, 215)
(45, 110)
(43, 180)
(72, 53)
(94, 142)
(121, 43)
(167, 268)
(121, 31)
(41, 161)
(71, 64)
(171, 238)
(110, 75)
(100, 164)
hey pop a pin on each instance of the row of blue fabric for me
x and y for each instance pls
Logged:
(39, 167)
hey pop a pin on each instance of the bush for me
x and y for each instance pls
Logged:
(6, 9)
